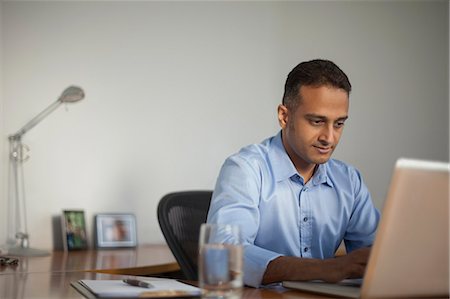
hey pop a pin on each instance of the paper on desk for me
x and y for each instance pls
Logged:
(119, 289)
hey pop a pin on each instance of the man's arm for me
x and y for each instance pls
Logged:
(236, 200)
(351, 265)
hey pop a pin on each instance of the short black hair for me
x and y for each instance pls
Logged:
(318, 72)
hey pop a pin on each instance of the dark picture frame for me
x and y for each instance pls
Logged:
(115, 230)
(74, 230)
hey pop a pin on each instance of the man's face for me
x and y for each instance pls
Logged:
(312, 131)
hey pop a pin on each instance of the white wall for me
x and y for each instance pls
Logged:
(173, 88)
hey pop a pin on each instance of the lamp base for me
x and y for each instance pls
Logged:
(21, 251)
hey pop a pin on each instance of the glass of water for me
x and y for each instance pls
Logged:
(220, 261)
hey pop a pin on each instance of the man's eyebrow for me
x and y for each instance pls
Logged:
(318, 116)
(343, 118)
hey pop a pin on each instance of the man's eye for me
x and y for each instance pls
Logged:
(316, 122)
(339, 124)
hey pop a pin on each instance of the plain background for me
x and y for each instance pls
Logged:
(173, 88)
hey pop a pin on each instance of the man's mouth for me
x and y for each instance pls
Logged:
(324, 150)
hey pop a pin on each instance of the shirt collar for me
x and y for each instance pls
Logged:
(321, 175)
(283, 168)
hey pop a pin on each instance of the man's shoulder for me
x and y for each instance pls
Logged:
(255, 150)
(256, 154)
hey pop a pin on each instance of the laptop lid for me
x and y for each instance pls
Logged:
(410, 255)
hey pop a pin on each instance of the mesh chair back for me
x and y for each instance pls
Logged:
(180, 216)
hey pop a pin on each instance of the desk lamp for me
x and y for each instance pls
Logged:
(18, 238)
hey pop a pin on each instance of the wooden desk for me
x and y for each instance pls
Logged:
(56, 285)
(50, 277)
(143, 260)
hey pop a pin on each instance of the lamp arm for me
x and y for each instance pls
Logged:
(37, 119)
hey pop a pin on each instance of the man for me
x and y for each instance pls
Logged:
(294, 205)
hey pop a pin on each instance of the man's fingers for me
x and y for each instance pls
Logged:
(358, 271)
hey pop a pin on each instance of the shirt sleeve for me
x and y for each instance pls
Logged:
(235, 200)
(363, 222)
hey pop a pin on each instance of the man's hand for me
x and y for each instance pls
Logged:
(336, 269)
(352, 265)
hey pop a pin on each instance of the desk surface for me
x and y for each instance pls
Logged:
(56, 285)
(143, 260)
(50, 277)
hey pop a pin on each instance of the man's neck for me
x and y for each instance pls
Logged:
(305, 169)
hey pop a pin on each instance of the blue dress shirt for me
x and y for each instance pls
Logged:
(260, 189)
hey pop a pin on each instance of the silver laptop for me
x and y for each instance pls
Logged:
(410, 255)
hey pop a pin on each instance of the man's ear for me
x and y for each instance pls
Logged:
(282, 116)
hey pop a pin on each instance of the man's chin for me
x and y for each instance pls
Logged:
(321, 160)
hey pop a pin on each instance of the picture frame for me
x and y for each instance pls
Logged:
(74, 230)
(115, 230)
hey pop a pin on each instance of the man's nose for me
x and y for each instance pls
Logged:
(326, 136)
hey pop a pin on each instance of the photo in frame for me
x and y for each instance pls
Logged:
(115, 230)
(74, 230)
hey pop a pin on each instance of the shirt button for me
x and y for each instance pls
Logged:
(305, 219)
(305, 189)
(305, 249)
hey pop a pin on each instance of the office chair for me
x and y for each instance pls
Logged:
(180, 216)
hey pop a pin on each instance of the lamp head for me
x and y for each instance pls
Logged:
(71, 94)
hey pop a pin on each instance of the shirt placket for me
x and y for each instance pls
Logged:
(305, 223)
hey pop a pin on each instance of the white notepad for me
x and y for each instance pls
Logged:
(119, 289)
